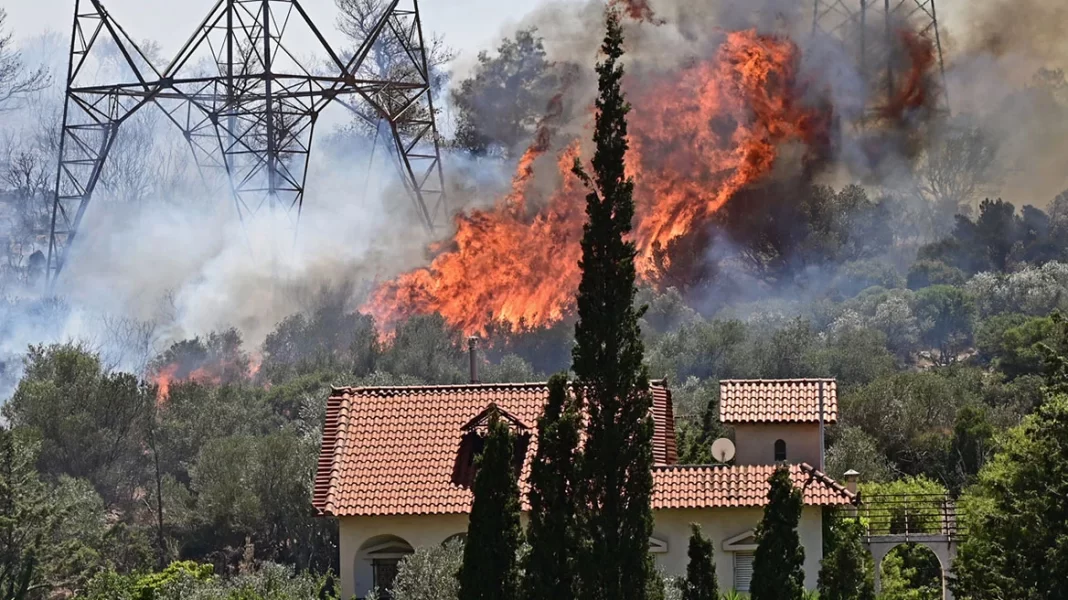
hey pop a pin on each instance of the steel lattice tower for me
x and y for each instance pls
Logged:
(867, 29)
(247, 106)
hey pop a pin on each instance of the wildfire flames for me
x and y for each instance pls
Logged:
(639, 10)
(208, 373)
(697, 137)
(914, 92)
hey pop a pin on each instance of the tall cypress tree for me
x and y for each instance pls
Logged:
(778, 566)
(607, 360)
(843, 575)
(552, 534)
(701, 582)
(489, 570)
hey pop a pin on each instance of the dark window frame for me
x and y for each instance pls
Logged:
(780, 450)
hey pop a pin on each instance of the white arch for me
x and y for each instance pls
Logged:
(376, 561)
(945, 552)
(460, 537)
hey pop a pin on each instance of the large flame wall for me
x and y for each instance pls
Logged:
(698, 135)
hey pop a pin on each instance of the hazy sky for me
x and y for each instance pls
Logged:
(468, 25)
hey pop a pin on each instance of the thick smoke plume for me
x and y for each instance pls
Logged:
(717, 109)
(731, 99)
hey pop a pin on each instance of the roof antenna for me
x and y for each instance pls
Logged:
(472, 354)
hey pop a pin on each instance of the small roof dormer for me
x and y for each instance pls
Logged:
(473, 441)
(480, 420)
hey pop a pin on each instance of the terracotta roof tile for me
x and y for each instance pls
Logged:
(714, 486)
(393, 451)
(777, 401)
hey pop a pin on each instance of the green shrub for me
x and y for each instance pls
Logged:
(149, 587)
(430, 573)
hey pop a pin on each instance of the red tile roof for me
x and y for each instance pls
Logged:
(738, 486)
(777, 401)
(393, 450)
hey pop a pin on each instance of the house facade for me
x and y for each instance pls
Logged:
(395, 469)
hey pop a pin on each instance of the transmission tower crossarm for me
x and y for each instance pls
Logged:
(253, 119)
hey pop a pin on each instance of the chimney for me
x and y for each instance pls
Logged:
(472, 354)
(851, 479)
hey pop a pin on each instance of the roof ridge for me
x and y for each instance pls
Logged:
(658, 383)
(788, 380)
(826, 479)
(691, 467)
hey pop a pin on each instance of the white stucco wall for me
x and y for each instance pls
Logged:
(755, 443)
(417, 530)
(671, 526)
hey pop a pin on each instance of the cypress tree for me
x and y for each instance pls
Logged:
(842, 571)
(489, 570)
(701, 582)
(549, 572)
(778, 566)
(607, 360)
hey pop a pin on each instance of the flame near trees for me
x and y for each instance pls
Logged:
(699, 135)
(212, 361)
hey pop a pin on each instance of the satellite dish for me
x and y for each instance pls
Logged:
(722, 450)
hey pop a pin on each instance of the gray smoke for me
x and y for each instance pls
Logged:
(161, 259)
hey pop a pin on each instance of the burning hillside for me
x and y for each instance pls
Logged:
(215, 360)
(698, 136)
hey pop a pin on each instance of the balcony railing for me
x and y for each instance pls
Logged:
(919, 516)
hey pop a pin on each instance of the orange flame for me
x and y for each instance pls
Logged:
(208, 374)
(913, 90)
(696, 139)
(639, 10)
(163, 380)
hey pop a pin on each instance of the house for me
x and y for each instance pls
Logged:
(395, 462)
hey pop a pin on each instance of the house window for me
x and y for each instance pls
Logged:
(780, 451)
(743, 571)
(385, 571)
(382, 554)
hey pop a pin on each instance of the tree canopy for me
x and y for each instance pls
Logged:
(490, 570)
(778, 566)
(1015, 514)
(607, 359)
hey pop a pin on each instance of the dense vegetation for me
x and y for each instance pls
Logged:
(219, 469)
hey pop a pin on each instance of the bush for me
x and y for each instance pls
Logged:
(925, 273)
(922, 496)
(188, 580)
(430, 573)
(150, 586)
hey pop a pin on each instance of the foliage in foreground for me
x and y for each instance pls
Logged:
(843, 571)
(608, 360)
(778, 566)
(549, 569)
(489, 570)
(191, 581)
(701, 582)
(430, 573)
(1017, 517)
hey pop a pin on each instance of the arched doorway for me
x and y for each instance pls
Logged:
(376, 566)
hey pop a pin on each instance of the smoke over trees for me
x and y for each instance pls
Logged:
(500, 105)
(922, 265)
(16, 79)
